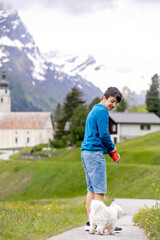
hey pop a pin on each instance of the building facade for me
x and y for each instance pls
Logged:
(124, 126)
(21, 129)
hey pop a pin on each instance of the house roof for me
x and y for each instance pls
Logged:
(123, 117)
(24, 120)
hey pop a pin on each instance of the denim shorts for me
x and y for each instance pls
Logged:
(95, 169)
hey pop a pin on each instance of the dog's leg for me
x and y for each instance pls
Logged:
(111, 230)
(92, 227)
(100, 230)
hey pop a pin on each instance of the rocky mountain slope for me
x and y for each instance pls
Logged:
(36, 82)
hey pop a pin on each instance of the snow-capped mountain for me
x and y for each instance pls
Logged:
(88, 68)
(85, 66)
(43, 81)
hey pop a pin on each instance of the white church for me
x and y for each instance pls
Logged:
(21, 129)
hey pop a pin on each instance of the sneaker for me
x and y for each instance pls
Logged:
(117, 229)
(87, 227)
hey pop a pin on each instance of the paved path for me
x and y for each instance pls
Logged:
(6, 154)
(129, 232)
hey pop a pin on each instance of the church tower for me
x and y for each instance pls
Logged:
(5, 99)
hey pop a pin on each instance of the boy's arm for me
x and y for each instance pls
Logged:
(102, 122)
(114, 150)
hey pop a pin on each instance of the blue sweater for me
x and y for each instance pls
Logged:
(97, 137)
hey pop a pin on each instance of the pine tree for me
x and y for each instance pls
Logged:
(153, 96)
(77, 127)
(95, 101)
(72, 100)
(58, 112)
(122, 106)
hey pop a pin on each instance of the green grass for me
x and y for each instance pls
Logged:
(140, 108)
(40, 219)
(142, 150)
(62, 175)
(61, 181)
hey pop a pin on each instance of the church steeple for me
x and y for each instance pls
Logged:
(3, 81)
(5, 99)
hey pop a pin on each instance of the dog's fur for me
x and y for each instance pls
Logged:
(104, 217)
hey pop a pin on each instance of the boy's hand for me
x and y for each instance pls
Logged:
(115, 156)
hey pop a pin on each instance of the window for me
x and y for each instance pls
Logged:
(27, 139)
(115, 140)
(145, 127)
(1, 99)
(5, 91)
(114, 128)
(16, 140)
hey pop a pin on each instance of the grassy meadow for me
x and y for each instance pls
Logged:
(31, 220)
(58, 184)
(140, 108)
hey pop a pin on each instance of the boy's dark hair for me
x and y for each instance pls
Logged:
(113, 92)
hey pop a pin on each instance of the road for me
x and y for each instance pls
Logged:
(129, 231)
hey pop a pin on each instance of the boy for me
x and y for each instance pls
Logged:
(97, 142)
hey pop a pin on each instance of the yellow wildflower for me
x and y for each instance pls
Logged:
(154, 222)
(153, 238)
(146, 220)
(153, 184)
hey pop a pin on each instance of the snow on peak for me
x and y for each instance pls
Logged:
(85, 65)
(39, 66)
(15, 23)
(6, 41)
(6, 10)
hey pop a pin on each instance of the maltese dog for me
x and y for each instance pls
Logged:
(104, 217)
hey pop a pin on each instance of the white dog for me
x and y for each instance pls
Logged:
(104, 217)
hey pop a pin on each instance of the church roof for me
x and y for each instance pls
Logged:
(24, 120)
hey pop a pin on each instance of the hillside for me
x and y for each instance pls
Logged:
(140, 108)
(63, 176)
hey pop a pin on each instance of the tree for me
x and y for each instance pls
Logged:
(124, 103)
(58, 112)
(78, 120)
(122, 106)
(72, 100)
(95, 101)
(153, 96)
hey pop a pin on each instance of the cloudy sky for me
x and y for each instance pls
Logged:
(122, 34)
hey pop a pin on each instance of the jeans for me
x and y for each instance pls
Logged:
(95, 169)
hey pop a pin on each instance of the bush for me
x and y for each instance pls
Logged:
(59, 143)
(148, 219)
(39, 147)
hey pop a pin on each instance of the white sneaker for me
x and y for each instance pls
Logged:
(87, 227)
